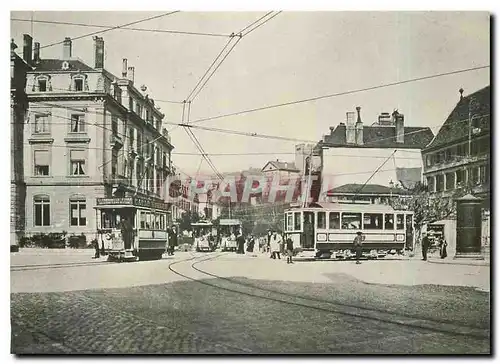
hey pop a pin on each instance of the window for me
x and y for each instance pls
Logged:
(297, 221)
(428, 160)
(139, 144)
(400, 221)
(164, 160)
(41, 124)
(460, 177)
(114, 163)
(42, 85)
(473, 175)
(42, 162)
(372, 221)
(147, 116)
(131, 137)
(78, 208)
(440, 183)
(289, 222)
(78, 84)
(351, 221)
(461, 150)
(138, 109)
(114, 125)
(143, 219)
(389, 221)
(450, 181)
(131, 104)
(42, 210)
(334, 220)
(77, 123)
(77, 162)
(430, 184)
(321, 220)
(482, 174)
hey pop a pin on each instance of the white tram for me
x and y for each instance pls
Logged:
(228, 231)
(132, 228)
(328, 229)
(202, 232)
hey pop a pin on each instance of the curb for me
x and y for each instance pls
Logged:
(477, 263)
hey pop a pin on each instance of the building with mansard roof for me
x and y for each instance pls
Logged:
(89, 134)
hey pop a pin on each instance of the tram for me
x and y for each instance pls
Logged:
(324, 230)
(202, 232)
(132, 228)
(228, 231)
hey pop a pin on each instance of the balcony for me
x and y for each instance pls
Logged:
(115, 141)
(456, 162)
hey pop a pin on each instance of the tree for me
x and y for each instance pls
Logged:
(187, 219)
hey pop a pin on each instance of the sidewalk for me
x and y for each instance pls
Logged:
(460, 261)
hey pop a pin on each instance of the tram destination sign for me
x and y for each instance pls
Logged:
(132, 202)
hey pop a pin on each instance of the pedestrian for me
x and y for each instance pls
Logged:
(425, 245)
(240, 241)
(358, 245)
(289, 250)
(251, 244)
(443, 244)
(96, 247)
(275, 242)
(172, 240)
(268, 245)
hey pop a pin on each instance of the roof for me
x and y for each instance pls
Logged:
(455, 126)
(282, 166)
(369, 189)
(47, 65)
(348, 207)
(376, 136)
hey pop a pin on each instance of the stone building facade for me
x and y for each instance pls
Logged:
(89, 134)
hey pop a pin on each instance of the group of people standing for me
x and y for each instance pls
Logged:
(426, 244)
(276, 245)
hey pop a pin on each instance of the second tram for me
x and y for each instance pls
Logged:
(202, 232)
(328, 229)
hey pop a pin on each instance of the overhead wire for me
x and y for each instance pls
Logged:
(343, 93)
(122, 28)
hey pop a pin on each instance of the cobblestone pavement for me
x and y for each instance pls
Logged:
(182, 316)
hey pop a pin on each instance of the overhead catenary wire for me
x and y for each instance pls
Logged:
(114, 28)
(261, 24)
(167, 31)
(343, 93)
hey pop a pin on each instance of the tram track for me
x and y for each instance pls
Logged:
(27, 267)
(330, 307)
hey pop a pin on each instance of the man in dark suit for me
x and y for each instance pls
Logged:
(425, 245)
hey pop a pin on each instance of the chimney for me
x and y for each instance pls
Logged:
(27, 48)
(67, 48)
(98, 52)
(131, 73)
(461, 93)
(124, 69)
(359, 128)
(350, 133)
(399, 122)
(13, 47)
(36, 53)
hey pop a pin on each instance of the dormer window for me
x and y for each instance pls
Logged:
(42, 85)
(78, 84)
(65, 65)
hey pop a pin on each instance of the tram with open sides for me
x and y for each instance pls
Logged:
(202, 232)
(132, 228)
(228, 231)
(328, 229)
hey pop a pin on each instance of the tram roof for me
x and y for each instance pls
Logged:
(201, 223)
(346, 207)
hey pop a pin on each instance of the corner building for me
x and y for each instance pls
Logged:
(90, 134)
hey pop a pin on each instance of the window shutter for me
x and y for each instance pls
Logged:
(42, 158)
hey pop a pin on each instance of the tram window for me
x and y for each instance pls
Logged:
(106, 220)
(373, 221)
(143, 219)
(321, 220)
(297, 221)
(351, 221)
(289, 222)
(389, 221)
(162, 221)
(400, 221)
(409, 222)
(334, 220)
(157, 220)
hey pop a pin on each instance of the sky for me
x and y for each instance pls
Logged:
(295, 55)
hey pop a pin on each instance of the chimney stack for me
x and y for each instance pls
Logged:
(131, 71)
(27, 48)
(350, 133)
(359, 128)
(124, 69)
(36, 53)
(98, 52)
(399, 122)
(67, 48)
(461, 93)
(13, 46)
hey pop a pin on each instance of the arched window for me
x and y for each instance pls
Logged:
(79, 82)
(41, 207)
(78, 210)
(42, 84)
